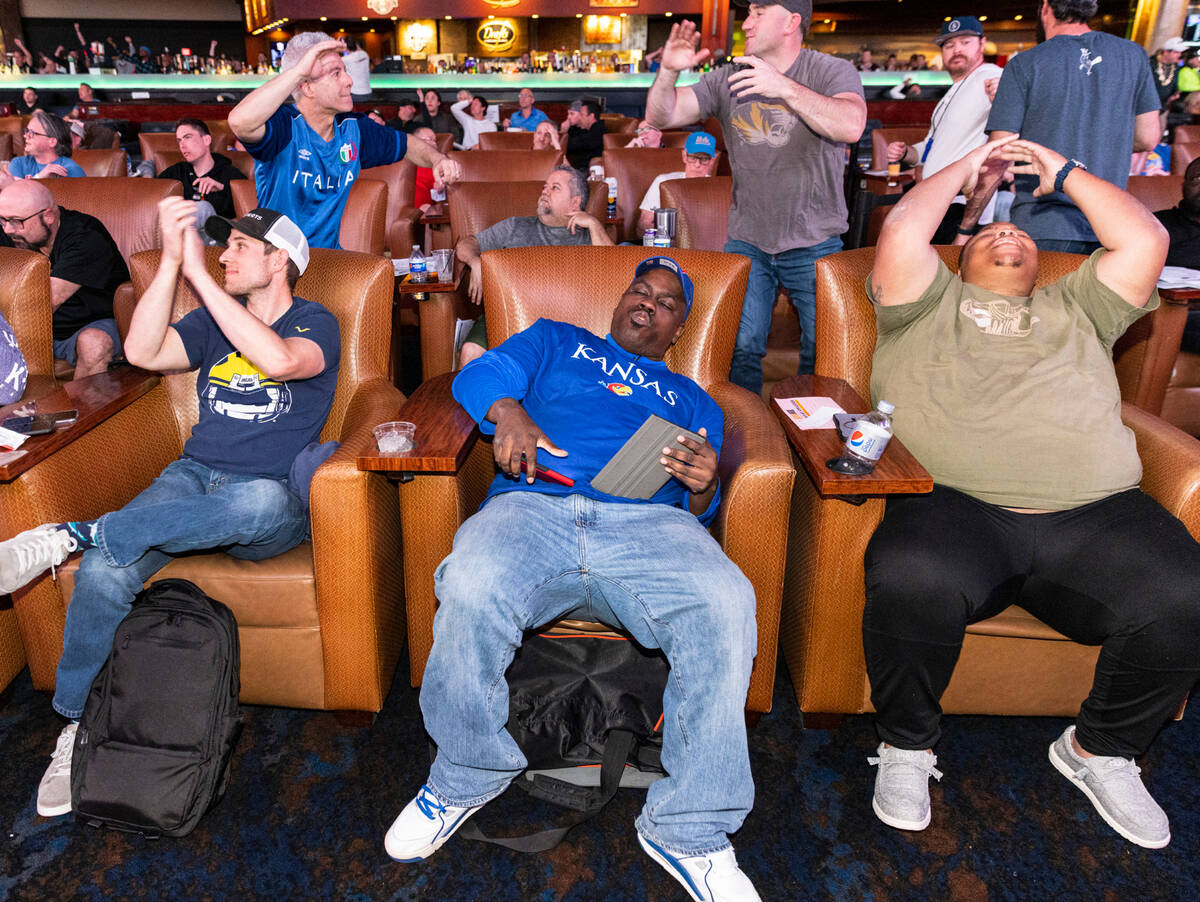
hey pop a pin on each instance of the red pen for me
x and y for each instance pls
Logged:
(549, 475)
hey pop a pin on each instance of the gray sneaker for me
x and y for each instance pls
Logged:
(1115, 788)
(29, 554)
(54, 792)
(902, 786)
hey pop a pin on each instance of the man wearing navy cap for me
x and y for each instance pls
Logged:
(538, 551)
(787, 113)
(956, 127)
(699, 160)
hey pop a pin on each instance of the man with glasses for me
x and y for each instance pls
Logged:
(85, 269)
(309, 152)
(47, 152)
(699, 158)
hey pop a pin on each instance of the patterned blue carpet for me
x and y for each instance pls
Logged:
(310, 800)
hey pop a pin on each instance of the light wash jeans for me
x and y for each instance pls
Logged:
(189, 507)
(794, 270)
(527, 559)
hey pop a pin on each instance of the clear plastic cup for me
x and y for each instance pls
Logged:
(394, 437)
(444, 259)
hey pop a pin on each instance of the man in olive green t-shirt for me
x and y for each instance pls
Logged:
(1007, 396)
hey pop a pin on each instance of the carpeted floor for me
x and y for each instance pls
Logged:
(310, 800)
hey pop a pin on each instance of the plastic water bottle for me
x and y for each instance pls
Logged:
(416, 265)
(867, 441)
(612, 196)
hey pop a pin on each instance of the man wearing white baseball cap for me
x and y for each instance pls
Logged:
(267, 367)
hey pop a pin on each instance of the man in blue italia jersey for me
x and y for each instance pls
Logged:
(561, 396)
(309, 152)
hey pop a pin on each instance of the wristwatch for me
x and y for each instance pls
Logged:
(1065, 171)
(968, 232)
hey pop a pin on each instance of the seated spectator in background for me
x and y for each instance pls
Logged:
(471, 113)
(85, 269)
(13, 370)
(1182, 222)
(864, 61)
(205, 175)
(1068, 537)
(560, 220)
(1189, 74)
(358, 67)
(906, 90)
(47, 152)
(28, 103)
(77, 132)
(427, 188)
(85, 98)
(699, 154)
(405, 119)
(585, 133)
(308, 154)
(527, 117)
(892, 63)
(440, 120)
(647, 136)
(545, 136)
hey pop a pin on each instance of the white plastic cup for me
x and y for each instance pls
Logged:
(444, 259)
(394, 437)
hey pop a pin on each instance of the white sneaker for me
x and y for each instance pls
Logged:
(31, 553)
(54, 792)
(715, 877)
(901, 797)
(424, 824)
(1114, 786)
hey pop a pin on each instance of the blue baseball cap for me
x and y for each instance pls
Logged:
(959, 25)
(701, 142)
(667, 263)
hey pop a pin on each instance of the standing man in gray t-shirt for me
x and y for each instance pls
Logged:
(560, 220)
(1085, 94)
(787, 113)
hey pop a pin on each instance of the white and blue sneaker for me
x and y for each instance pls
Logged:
(715, 877)
(424, 824)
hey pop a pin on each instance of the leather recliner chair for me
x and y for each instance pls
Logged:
(635, 168)
(505, 165)
(402, 219)
(111, 163)
(363, 225)
(582, 285)
(322, 625)
(127, 207)
(521, 140)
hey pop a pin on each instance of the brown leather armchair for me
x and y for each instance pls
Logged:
(110, 163)
(6, 146)
(882, 137)
(239, 158)
(402, 219)
(505, 165)
(1182, 153)
(521, 140)
(363, 225)
(152, 143)
(1156, 192)
(615, 122)
(322, 625)
(1011, 663)
(15, 126)
(127, 207)
(581, 285)
(635, 168)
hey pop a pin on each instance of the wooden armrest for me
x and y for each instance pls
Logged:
(444, 435)
(897, 471)
(402, 232)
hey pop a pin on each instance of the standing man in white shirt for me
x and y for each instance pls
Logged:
(358, 67)
(957, 124)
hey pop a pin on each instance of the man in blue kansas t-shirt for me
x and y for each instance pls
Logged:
(310, 151)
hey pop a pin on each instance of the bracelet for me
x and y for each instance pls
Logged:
(1065, 171)
(968, 232)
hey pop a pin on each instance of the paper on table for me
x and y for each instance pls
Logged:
(1179, 277)
(462, 328)
(810, 413)
(11, 440)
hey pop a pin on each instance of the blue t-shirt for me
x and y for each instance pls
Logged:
(1104, 82)
(308, 179)
(13, 371)
(26, 166)
(589, 395)
(530, 122)
(250, 424)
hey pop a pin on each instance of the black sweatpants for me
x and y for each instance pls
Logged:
(1121, 573)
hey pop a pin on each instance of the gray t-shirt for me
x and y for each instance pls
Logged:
(528, 231)
(1104, 82)
(787, 179)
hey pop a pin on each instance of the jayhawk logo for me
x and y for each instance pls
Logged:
(619, 388)
(764, 123)
(238, 389)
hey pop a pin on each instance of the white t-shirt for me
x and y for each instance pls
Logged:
(652, 200)
(358, 67)
(471, 127)
(957, 126)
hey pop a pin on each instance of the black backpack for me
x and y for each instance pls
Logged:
(586, 710)
(153, 746)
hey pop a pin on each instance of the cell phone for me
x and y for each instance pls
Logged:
(65, 417)
(38, 424)
(738, 67)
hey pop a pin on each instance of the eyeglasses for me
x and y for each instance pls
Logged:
(15, 222)
(30, 131)
(699, 158)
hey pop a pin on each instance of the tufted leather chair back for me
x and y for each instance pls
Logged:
(702, 205)
(6, 146)
(127, 207)
(521, 140)
(111, 163)
(474, 206)
(25, 303)
(401, 181)
(363, 226)
(882, 137)
(582, 285)
(356, 288)
(506, 165)
(15, 126)
(151, 143)
(634, 169)
(1156, 192)
(616, 123)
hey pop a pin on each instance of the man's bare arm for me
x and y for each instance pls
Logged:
(1147, 131)
(61, 290)
(841, 117)
(668, 106)
(978, 201)
(248, 120)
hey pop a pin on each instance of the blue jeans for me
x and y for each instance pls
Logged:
(189, 507)
(794, 270)
(527, 559)
(65, 349)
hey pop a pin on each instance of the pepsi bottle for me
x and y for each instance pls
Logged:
(866, 442)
